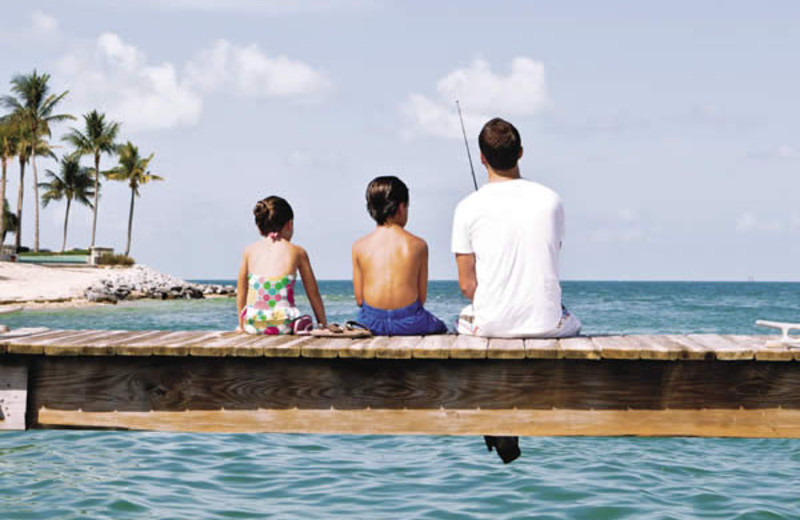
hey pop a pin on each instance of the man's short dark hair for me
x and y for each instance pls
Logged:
(500, 143)
(384, 196)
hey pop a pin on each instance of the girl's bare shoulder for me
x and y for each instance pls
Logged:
(298, 251)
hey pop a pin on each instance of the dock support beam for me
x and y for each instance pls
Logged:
(13, 396)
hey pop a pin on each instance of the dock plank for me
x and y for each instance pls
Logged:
(692, 350)
(761, 352)
(394, 347)
(469, 347)
(285, 346)
(35, 344)
(436, 346)
(93, 343)
(542, 348)
(146, 343)
(506, 348)
(658, 348)
(774, 423)
(357, 348)
(617, 347)
(580, 347)
(221, 344)
(723, 348)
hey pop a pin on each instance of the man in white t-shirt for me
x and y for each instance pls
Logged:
(507, 238)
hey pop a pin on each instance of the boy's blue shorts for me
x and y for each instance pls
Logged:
(411, 320)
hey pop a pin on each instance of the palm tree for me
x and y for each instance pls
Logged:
(75, 183)
(8, 149)
(34, 107)
(9, 222)
(25, 150)
(132, 169)
(97, 138)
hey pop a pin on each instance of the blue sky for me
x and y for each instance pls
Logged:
(671, 130)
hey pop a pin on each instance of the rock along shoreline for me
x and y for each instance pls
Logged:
(140, 281)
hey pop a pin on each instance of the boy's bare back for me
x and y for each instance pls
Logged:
(390, 268)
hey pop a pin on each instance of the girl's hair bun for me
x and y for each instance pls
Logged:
(271, 214)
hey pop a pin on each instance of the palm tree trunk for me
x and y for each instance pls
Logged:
(35, 202)
(130, 223)
(96, 195)
(3, 204)
(66, 220)
(18, 233)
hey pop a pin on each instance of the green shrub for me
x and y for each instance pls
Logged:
(108, 259)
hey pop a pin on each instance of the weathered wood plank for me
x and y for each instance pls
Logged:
(7, 336)
(178, 383)
(545, 348)
(692, 350)
(660, 348)
(394, 347)
(285, 346)
(94, 343)
(761, 351)
(219, 344)
(436, 346)
(30, 343)
(145, 343)
(321, 347)
(13, 396)
(617, 347)
(768, 423)
(506, 348)
(469, 347)
(357, 348)
(723, 348)
(580, 347)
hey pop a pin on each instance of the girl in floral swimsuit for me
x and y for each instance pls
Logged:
(265, 295)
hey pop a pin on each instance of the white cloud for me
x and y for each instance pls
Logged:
(265, 7)
(623, 227)
(786, 152)
(750, 223)
(783, 151)
(794, 222)
(43, 24)
(482, 95)
(117, 78)
(746, 222)
(252, 73)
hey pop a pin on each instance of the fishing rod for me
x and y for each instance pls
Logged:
(466, 144)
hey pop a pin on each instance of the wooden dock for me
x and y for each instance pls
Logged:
(699, 385)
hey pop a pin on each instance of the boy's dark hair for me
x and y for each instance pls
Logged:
(272, 214)
(500, 143)
(384, 196)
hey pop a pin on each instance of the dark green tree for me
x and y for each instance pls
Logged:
(98, 137)
(33, 105)
(74, 183)
(132, 169)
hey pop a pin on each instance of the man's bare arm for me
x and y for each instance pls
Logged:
(467, 280)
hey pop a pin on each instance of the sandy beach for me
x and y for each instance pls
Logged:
(37, 284)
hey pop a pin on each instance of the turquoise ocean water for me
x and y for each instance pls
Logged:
(75, 474)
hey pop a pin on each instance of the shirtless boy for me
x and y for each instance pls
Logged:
(390, 267)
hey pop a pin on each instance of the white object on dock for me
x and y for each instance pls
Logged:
(787, 340)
